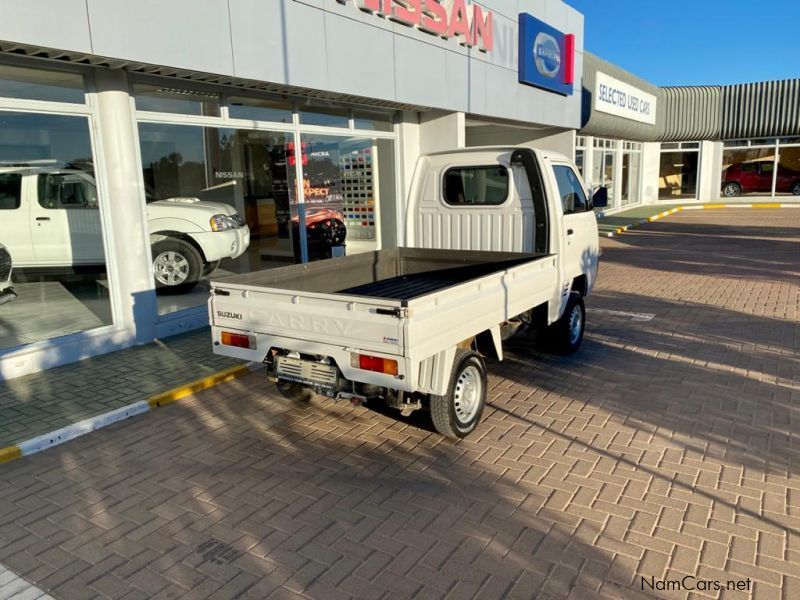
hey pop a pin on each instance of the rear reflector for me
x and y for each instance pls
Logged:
(374, 363)
(238, 340)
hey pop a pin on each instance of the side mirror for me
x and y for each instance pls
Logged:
(600, 197)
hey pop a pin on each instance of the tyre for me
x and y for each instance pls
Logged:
(731, 189)
(565, 335)
(458, 412)
(177, 265)
(796, 188)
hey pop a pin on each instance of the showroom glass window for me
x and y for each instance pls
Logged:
(604, 168)
(201, 163)
(678, 171)
(631, 173)
(760, 167)
(50, 219)
(580, 155)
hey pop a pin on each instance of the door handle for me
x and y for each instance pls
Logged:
(570, 232)
(42, 218)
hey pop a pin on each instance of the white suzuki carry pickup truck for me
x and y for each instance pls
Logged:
(51, 219)
(497, 240)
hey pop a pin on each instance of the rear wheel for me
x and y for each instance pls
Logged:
(565, 335)
(458, 412)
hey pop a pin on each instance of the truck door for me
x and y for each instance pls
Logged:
(15, 217)
(579, 225)
(65, 220)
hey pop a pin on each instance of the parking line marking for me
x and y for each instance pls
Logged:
(634, 316)
(81, 428)
(14, 586)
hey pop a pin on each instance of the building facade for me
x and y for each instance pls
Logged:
(146, 145)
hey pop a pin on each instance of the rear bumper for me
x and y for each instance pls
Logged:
(339, 354)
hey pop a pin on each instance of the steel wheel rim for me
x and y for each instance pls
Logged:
(171, 268)
(575, 324)
(468, 394)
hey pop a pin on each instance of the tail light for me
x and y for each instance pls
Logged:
(373, 363)
(238, 340)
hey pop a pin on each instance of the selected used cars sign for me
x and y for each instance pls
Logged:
(618, 98)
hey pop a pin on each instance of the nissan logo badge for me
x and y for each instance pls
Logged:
(546, 54)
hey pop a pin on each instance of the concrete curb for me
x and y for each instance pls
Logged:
(75, 430)
(672, 211)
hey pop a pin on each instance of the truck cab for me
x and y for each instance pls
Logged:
(482, 199)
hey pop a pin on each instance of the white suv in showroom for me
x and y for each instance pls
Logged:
(50, 219)
(6, 291)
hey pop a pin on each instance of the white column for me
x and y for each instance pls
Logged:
(710, 177)
(126, 219)
(651, 164)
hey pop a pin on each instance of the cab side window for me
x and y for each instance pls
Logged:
(10, 191)
(573, 198)
(66, 191)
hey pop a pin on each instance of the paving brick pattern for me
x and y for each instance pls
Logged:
(664, 448)
(40, 403)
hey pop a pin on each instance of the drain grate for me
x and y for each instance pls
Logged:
(218, 552)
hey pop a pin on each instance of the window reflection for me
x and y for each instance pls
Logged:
(50, 225)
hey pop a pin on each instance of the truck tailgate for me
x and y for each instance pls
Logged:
(362, 323)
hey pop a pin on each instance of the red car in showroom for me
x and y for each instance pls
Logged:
(756, 176)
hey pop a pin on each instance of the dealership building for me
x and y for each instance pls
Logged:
(137, 139)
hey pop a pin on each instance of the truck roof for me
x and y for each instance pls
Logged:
(546, 154)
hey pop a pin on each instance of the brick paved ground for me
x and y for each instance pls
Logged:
(665, 447)
(43, 402)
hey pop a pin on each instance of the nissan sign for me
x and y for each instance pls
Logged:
(546, 56)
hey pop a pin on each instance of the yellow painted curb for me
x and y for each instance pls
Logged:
(201, 384)
(9, 453)
(672, 211)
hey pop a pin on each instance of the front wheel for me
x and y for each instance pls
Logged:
(177, 266)
(796, 189)
(565, 335)
(458, 412)
(731, 190)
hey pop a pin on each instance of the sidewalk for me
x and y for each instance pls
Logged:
(42, 402)
(609, 225)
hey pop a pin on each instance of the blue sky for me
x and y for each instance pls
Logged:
(695, 42)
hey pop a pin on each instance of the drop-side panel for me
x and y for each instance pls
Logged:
(442, 320)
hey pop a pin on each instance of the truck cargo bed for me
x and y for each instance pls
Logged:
(394, 274)
(408, 287)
